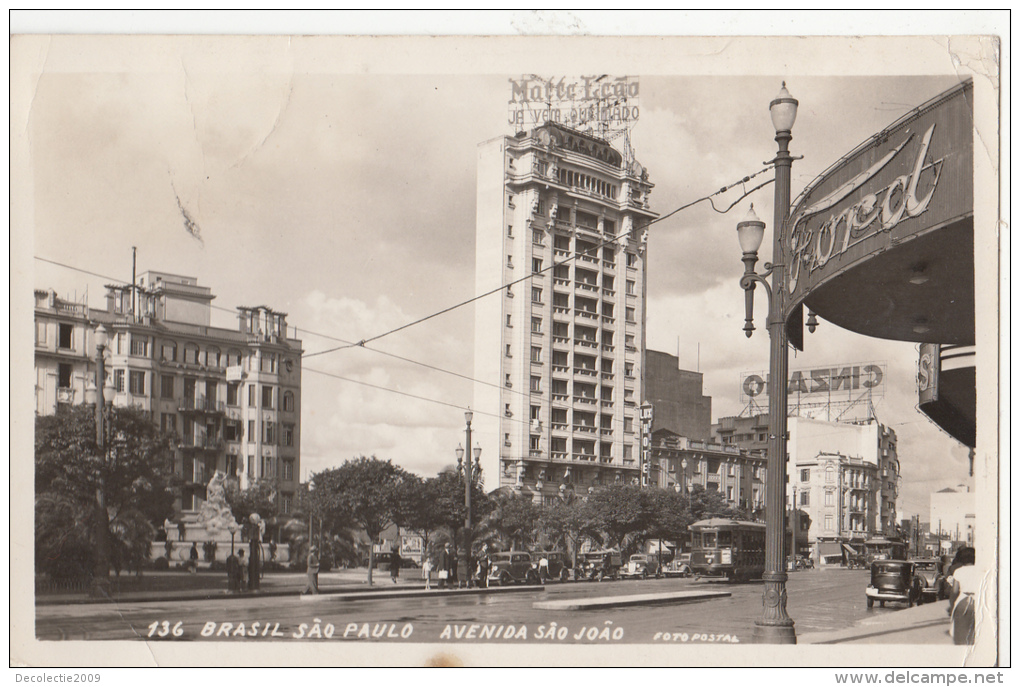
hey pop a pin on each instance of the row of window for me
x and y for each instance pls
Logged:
(268, 394)
(232, 431)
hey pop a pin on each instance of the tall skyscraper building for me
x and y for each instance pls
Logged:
(559, 350)
(231, 397)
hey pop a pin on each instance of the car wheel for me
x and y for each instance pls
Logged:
(531, 578)
(563, 575)
(504, 579)
(644, 574)
(871, 602)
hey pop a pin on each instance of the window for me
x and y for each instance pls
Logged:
(507, 411)
(251, 430)
(509, 321)
(628, 424)
(506, 439)
(268, 466)
(533, 443)
(828, 523)
(510, 199)
(288, 401)
(536, 354)
(288, 435)
(536, 265)
(830, 475)
(251, 465)
(191, 354)
(628, 452)
(508, 352)
(536, 236)
(140, 345)
(729, 493)
(288, 470)
(230, 465)
(805, 475)
(118, 380)
(232, 388)
(536, 295)
(536, 385)
(231, 431)
(628, 369)
(168, 423)
(212, 357)
(536, 325)
(137, 383)
(251, 395)
(830, 498)
(535, 410)
(166, 386)
(267, 363)
(509, 232)
(631, 260)
(508, 383)
(805, 498)
(631, 286)
(64, 375)
(65, 336)
(267, 397)
(629, 342)
(269, 432)
(168, 351)
(631, 316)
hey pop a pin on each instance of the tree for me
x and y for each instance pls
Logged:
(706, 503)
(418, 507)
(134, 475)
(619, 513)
(361, 492)
(258, 497)
(564, 522)
(513, 521)
(670, 514)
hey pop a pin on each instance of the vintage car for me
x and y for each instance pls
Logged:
(559, 564)
(929, 572)
(680, 566)
(598, 565)
(512, 566)
(642, 565)
(893, 580)
(383, 560)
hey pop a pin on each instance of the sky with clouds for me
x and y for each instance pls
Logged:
(336, 183)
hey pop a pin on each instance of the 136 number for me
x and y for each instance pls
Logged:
(162, 629)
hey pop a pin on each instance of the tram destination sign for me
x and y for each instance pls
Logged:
(821, 383)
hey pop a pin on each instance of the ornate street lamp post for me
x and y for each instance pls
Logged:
(774, 626)
(104, 395)
(468, 470)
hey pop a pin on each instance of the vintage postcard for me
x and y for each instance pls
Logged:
(461, 350)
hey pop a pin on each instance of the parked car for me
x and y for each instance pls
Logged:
(641, 565)
(598, 565)
(893, 580)
(680, 566)
(798, 563)
(382, 560)
(559, 564)
(512, 566)
(929, 572)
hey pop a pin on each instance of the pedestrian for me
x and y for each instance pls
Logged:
(543, 568)
(255, 553)
(426, 571)
(395, 565)
(964, 583)
(181, 530)
(233, 572)
(313, 571)
(193, 558)
(483, 567)
(447, 567)
(242, 570)
(272, 550)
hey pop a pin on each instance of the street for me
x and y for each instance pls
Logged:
(819, 601)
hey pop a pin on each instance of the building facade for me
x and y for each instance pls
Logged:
(677, 397)
(231, 397)
(561, 243)
(680, 463)
(952, 515)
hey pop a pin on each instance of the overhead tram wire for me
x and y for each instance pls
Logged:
(363, 342)
(556, 264)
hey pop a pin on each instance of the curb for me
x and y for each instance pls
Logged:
(417, 593)
(621, 601)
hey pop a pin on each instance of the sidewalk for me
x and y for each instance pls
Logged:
(180, 586)
(927, 624)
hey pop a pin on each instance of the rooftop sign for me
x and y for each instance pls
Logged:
(603, 104)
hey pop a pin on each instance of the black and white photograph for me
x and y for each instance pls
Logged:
(540, 348)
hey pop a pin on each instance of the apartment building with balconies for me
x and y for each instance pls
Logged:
(560, 243)
(230, 397)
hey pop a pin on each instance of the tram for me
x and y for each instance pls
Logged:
(884, 549)
(722, 547)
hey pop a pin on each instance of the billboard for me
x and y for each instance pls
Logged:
(820, 384)
(601, 103)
